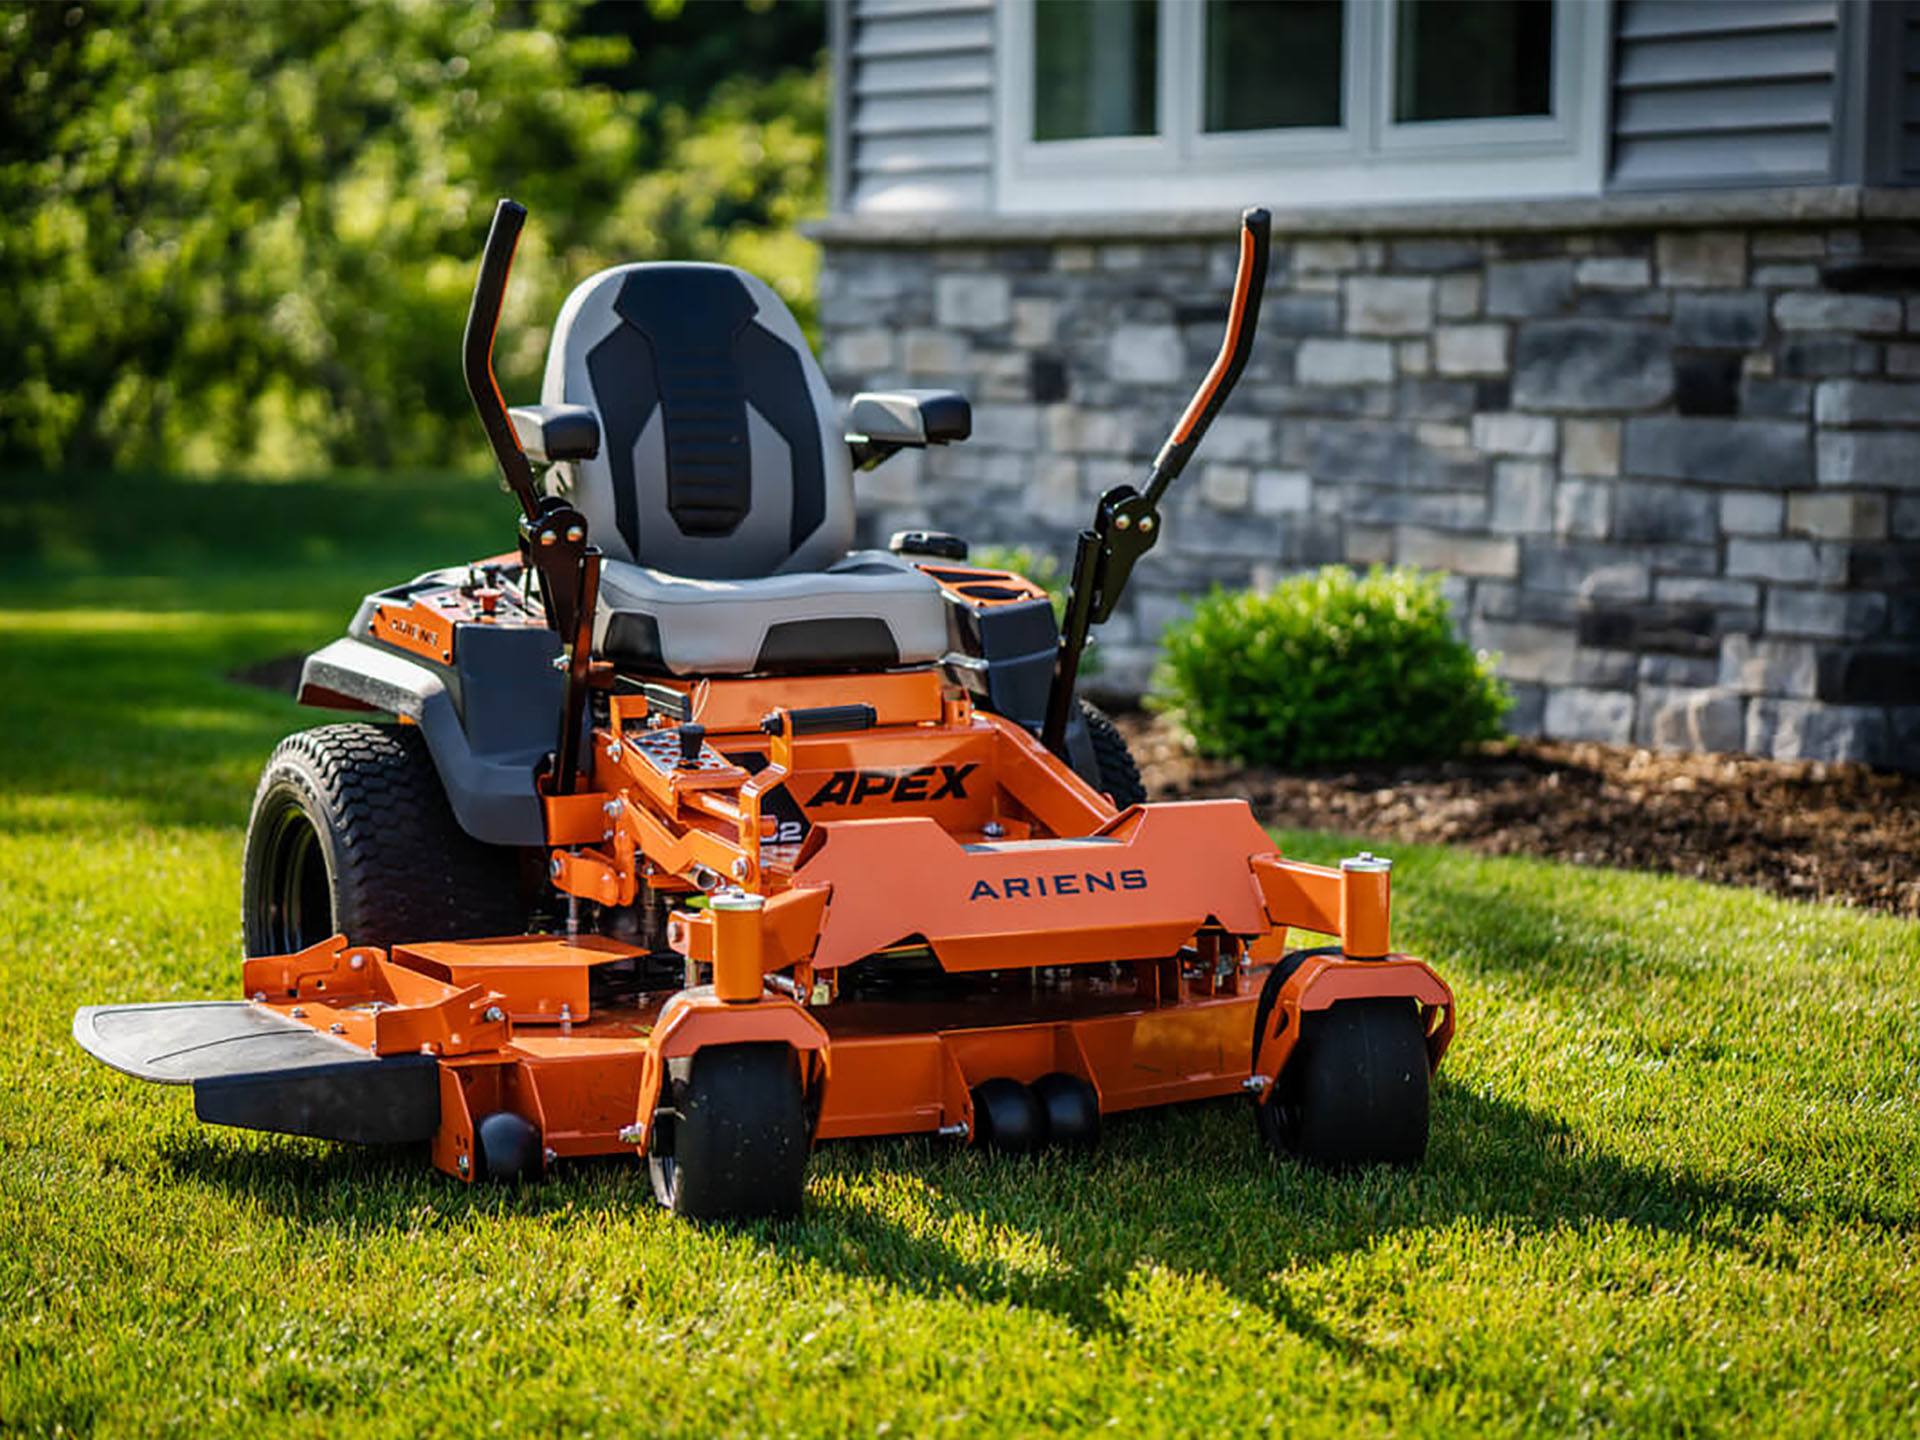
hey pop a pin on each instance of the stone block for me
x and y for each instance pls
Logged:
(1790, 561)
(1702, 259)
(1296, 314)
(1389, 305)
(1006, 427)
(1457, 297)
(1582, 509)
(1512, 434)
(1517, 288)
(1719, 451)
(1681, 719)
(1903, 360)
(1785, 277)
(1075, 429)
(1432, 256)
(1541, 654)
(1613, 272)
(1727, 320)
(972, 301)
(1848, 403)
(1522, 497)
(1035, 322)
(1588, 365)
(1895, 566)
(1436, 509)
(1701, 590)
(861, 352)
(1754, 665)
(1369, 545)
(1884, 458)
(1838, 516)
(1579, 713)
(1591, 572)
(1413, 357)
(1323, 257)
(1659, 513)
(1590, 447)
(1226, 487)
(1751, 512)
(1457, 554)
(1343, 362)
(1798, 730)
(1811, 356)
(1239, 437)
(1054, 493)
(1605, 669)
(1763, 398)
(1282, 492)
(1123, 257)
(1827, 310)
(1470, 349)
(936, 352)
(1904, 518)
(1691, 672)
(1825, 614)
(1440, 435)
(1789, 245)
(1146, 354)
(1074, 259)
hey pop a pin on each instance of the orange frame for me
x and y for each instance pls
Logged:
(939, 829)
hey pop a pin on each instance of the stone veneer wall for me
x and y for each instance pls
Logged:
(1674, 481)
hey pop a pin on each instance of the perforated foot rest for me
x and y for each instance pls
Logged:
(258, 1070)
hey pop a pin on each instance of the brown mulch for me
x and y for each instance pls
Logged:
(1804, 829)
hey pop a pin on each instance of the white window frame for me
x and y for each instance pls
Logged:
(1369, 159)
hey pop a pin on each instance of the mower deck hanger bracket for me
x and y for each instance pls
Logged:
(750, 842)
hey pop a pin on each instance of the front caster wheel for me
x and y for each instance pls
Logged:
(1355, 1088)
(731, 1135)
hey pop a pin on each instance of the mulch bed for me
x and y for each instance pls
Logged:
(1804, 829)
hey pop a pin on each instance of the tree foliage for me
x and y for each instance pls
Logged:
(241, 237)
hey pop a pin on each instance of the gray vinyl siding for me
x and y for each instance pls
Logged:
(1724, 92)
(919, 111)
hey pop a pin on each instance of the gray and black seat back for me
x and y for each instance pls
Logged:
(720, 455)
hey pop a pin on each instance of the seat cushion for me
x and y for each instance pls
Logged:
(869, 611)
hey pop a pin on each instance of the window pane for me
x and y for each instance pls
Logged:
(1273, 63)
(1095, 64)
(1473, 59)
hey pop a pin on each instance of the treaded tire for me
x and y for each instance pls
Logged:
(1354, 1091)
(351, 834)
(731, 1142)
(1119, 772)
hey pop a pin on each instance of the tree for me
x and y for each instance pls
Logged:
(241, 238)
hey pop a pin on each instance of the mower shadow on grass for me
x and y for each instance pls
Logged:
(1179, 1190)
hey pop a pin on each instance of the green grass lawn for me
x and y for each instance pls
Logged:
(1673, 1186)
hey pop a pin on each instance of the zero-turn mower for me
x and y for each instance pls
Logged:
(695, 835)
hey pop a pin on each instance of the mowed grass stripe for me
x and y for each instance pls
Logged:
(1673, 1181)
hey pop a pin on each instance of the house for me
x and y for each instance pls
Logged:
(1610, 311)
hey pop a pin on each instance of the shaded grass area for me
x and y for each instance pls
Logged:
(1673, 1183)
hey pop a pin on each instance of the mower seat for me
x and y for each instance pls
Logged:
(722, 489)
(868, 611)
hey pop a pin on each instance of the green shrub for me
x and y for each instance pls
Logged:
(1329, 668)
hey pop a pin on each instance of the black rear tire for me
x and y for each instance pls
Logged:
(1119, 772)
(1354, 1091)
(351, 834)
(1007, 1117)
(732, 1137)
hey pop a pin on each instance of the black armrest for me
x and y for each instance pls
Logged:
(556, 432)
(900, 418)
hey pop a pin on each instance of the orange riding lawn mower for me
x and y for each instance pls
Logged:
(696, 835)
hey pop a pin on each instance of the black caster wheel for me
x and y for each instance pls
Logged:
(509, 1147)
(1007, 1117)
(1354, 1091)
(1071, 1107)
(731, 1135)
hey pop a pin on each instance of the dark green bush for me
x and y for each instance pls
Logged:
(1327, 669)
